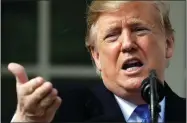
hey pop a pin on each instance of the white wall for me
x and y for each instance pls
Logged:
(176, 73)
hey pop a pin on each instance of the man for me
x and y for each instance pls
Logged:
(126, 40)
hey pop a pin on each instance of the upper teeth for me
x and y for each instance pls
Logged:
(133, 64)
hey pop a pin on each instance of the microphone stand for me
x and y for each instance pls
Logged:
(152, 92)
(154, 98)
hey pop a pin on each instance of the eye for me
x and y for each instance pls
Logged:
(112, 35)
(137, 29)
(141, 30)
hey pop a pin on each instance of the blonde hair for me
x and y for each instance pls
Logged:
(98, 7)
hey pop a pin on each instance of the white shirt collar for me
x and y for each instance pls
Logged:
(127, 108)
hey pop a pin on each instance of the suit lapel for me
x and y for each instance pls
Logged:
(110, 107)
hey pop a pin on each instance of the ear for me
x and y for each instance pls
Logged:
(96, 58)
(169, 47)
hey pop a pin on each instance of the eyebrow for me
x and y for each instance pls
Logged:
(138, 21)
(117, 24)
(113, 28)
(113, 25)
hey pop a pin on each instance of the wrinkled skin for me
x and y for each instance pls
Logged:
(134, 31)
(37, 100)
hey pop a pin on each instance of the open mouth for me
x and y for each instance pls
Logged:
(132, 64)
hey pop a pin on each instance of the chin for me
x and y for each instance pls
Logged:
(132, 83)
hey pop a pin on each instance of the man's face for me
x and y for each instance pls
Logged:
(129, 43)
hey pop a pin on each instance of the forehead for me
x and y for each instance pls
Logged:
(130, 12)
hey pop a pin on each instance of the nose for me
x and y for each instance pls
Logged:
(128, 42)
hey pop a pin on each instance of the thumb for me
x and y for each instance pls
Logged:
(19, 73)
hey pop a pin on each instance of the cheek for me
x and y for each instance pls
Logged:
(152, 45)
(109, 54)
(154, 51)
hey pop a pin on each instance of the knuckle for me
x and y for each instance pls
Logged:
(29, 89)
(47, 101)
(38, 96)
(22, 90)
(44, 104)
(54, 92)
(48, 85)
(29, 108)
(59, 100)
(39, 79)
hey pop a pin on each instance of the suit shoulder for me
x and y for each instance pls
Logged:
(78, 104)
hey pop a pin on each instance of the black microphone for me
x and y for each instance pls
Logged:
(152, 91)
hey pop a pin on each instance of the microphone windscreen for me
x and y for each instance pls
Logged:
(145, 89)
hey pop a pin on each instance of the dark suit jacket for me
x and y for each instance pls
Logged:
(99, 105)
